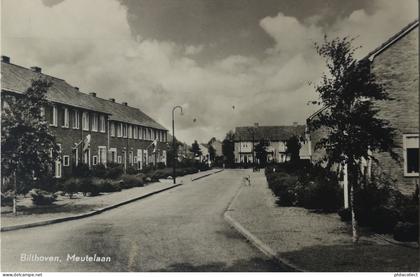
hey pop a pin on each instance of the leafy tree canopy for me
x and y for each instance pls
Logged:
(28, 147)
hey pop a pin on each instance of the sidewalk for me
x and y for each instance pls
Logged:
(311, 241)
(82, 205)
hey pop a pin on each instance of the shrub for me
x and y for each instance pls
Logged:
(383, 220)
(114, 171)
(321, 195)
(147, 168)
(71, 186)
(94, 186)
(105, 185)
(283, 186)
(48, 183)
(99, 171)
(161, 165)
(7, 198)
(131, 170)
(130, 181)
(81, 170)
(406, 231)
(41, 197)
(161, 174)
(345, 214)
(86, 186)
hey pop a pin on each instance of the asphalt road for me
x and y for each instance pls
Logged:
(178, 230)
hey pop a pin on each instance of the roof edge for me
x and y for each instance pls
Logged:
(396, 37)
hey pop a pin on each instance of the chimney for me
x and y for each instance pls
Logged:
(76, 88)
(92, 94)
(112, 99)
(256, 124)
(36, 69)
(124, 103)
(5, 59)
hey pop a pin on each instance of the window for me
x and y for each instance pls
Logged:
(66, 160)
(411, 155)
(130, 131)
(102, 154)
(113, 154)
(57, 169)
(76, 120)
(119, 159)
(130, 157)
(135, 132)
(95, 122)
(54, 117)
(119, 130)
(112, 129)
(42, 111)
(95, 160)
(140, 132)
(102, 123)
(124, 130)
(85, 121)
(65, 119)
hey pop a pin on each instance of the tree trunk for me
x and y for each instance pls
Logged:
(354, 224)
(14, 194)
(353, 184)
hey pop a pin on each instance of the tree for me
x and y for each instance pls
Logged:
(212, 153)
(348, 93)
(261, 152)
(195, 149)
(28, 147)
(228, 147)
(293, 146)
(171, 151)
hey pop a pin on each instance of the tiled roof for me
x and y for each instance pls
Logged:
(271, 133)
(17, 79)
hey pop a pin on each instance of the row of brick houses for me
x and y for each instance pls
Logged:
(247, 137)
(396, 66)
(89, 129)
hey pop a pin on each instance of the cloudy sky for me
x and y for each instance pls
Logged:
(206, 55)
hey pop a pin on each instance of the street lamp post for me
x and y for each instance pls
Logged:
(175, 152)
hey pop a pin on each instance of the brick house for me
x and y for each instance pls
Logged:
(246, 138)
(396, 66)
(89, 129)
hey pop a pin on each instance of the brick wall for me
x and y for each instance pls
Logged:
(68, 137)
(315, 137)
(397, 69)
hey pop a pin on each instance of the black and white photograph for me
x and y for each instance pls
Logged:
(258, 136)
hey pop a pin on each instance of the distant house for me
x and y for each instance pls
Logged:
(396, 66)
(217, 145)
(246, 138)
(204, 149)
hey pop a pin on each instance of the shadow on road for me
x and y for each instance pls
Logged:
(251, 265)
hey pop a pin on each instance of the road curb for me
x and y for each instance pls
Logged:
(79, 216)
(208, 174)
(254, 240)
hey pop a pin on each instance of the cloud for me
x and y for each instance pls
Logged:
(90, 44)
(193, 49)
